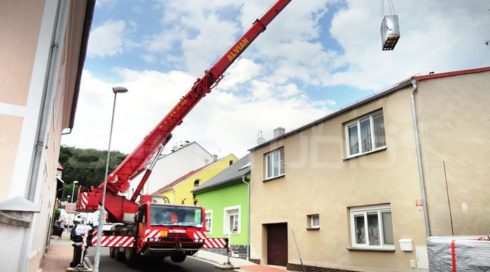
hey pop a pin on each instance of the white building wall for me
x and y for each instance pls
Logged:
(28, 196)
(172, 166)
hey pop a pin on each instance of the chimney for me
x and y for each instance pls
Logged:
(279, 132)
(260, 139)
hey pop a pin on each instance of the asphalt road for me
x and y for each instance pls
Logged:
(107, 264)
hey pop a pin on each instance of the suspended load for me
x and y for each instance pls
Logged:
(390, 29)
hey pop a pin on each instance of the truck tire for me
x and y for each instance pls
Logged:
(177, 257)
(112, 252)
(130, 256)
(119, 255)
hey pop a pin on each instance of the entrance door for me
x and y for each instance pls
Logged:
(277, 244)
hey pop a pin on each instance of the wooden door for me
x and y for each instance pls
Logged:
(277, 244)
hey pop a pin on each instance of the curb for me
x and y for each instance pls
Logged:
(226, 267)
(221, 266)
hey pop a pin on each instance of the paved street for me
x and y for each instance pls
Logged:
(60, 252)
(189, 265)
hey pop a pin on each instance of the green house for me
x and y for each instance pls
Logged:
(225, 198)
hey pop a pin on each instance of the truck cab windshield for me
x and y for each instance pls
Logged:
(165, 215)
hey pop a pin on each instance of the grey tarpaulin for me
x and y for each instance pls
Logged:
(469, 254)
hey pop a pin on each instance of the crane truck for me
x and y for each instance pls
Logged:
(151, 227)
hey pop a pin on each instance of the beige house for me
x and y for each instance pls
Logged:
(347, 192)
(42, 53)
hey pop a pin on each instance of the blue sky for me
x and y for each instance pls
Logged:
(317, 56)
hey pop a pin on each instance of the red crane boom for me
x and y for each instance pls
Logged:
(118, 180)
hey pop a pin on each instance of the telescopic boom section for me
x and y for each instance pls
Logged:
(118, 181)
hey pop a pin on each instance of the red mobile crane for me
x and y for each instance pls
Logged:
(141, 232)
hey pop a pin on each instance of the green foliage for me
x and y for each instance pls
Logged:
(87, 166)
(56, 215)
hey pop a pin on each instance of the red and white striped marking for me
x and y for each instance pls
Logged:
(83, 200)
(215, 243)
(199, 235)
(149, 233)
(113, 241)
(210, 242)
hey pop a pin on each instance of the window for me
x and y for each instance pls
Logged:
(209, 221)
(365, 134)
(170, 215)
(372, 228)
(313, 221)
(274, 164)
(232, 220)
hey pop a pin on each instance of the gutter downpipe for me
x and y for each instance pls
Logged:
(419, 158)
(248, 221)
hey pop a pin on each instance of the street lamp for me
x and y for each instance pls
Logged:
(115, 90)
(73, 190)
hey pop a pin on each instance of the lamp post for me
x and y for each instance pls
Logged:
(73, 191)
(115, 90)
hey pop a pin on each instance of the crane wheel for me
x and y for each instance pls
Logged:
(112, 252)
(178, 257)
(118, 254)
(130, 256)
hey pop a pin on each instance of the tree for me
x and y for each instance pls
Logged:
(87, 166)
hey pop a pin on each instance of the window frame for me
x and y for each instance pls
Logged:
(310, 220)
(379, 209)
(226, 218)
(357, 123)
(210, 217)
(282, 165)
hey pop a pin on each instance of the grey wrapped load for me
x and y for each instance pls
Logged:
(459, 253)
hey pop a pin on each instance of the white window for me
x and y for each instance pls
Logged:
(209, 221)
(274, 164)
(232, 220)
(371, 227)
(313, 221)
(365, 134)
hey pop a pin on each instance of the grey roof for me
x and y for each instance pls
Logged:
(230, 175)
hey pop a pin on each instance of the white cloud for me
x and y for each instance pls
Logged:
(105, 3)
(242, 72)
(107, 39)
(268, 86)
(222, 122)
(435, 36)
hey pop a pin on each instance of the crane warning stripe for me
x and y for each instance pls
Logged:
(111, 241)
(151, 233)
(84, 200)
(199, 235)
(215, 243)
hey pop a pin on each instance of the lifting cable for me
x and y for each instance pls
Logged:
(390, 8)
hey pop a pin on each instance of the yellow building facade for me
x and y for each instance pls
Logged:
(180, 190)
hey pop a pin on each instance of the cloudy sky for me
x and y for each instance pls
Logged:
(316, 57)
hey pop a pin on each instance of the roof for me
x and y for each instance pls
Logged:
(396, 87)
(194, 143)
(179, 180)
(184, 177)
(89, 13)
(453, 73)
(230, 175)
